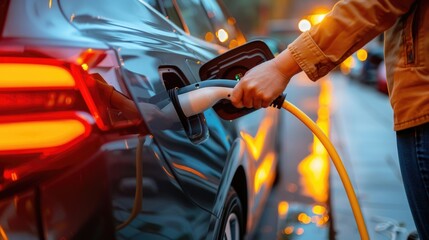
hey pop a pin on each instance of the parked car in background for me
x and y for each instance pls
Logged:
(352, 66)
(86, 153)
(369, 68)
(364, 63)
(381, 78)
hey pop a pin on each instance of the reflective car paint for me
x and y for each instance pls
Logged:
(183, 193)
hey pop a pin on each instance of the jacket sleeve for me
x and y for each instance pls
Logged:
(348, 27)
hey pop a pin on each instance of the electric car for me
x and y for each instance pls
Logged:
(90, 147)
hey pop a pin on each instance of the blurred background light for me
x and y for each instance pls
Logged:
(222, 35)
(362, 55)
(304, 25)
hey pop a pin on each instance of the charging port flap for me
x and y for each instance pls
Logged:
(233, 64)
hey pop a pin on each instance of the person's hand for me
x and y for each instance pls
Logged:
(261, 85)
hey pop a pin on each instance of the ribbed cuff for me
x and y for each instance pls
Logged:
(309, 57)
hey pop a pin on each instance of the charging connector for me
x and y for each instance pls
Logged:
(196, 98)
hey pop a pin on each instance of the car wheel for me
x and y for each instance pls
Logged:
(232, 220)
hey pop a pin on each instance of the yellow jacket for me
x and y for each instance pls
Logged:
(353, 23)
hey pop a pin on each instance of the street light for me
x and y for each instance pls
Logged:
(306, 23)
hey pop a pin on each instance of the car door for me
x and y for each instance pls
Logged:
(207, 20)
(257, 129)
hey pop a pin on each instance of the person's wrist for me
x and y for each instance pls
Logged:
(286, 64)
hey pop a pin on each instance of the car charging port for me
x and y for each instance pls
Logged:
(195, 126)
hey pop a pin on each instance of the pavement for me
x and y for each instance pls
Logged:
(362, 132)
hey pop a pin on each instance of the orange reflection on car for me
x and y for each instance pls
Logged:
(263, 171)
(190, 170)
(3, 234)
(256, 144)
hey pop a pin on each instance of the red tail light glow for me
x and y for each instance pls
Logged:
(50, 101)
(33, 95)
(40, 134)
(34, 101)
(45, 134)
(26, 75)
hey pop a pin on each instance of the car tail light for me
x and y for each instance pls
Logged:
(42, 132)
(51, 100)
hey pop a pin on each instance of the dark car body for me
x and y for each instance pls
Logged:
(85, 152)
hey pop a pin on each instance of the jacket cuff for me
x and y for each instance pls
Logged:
(309, 57)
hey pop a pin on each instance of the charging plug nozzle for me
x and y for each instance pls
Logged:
(196, 98)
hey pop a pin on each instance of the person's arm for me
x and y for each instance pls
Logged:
(349, 26)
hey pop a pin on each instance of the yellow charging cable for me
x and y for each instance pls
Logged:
(209, 92)
(337, 162)
(138, 197)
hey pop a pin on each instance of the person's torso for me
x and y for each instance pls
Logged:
(407, 66)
